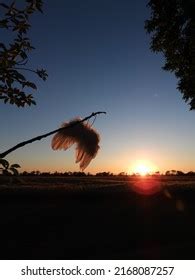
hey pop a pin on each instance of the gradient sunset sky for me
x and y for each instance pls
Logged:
(97, 55)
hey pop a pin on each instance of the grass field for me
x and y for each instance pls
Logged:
(97, 218)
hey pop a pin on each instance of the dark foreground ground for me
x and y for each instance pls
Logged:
(95, 218)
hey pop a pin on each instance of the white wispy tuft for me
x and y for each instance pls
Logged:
(83, 135)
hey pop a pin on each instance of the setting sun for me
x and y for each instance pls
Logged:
(143, 167)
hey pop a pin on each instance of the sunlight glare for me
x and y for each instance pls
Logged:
(143, 167)
(143, 184)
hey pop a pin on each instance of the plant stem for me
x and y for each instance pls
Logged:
(2, 155)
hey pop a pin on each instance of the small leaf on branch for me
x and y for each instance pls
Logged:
(15, 165)
(4, 5)
(14, 170)
(32, 85)
(42, 74)
(4, 162)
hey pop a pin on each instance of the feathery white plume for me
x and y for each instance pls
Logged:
(81, 134)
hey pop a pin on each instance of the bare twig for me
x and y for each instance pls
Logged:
(2, 155)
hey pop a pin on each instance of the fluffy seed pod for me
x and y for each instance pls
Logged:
(81, 134)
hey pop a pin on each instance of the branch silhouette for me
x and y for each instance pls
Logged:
(2, 155)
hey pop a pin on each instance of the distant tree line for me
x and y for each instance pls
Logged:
(88, 174)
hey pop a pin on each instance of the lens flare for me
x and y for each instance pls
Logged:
(146, 185)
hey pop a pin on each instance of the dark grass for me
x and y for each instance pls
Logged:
(96, 218)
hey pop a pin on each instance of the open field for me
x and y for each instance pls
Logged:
(97, 218)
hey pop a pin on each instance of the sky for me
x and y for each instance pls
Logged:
(98, 59)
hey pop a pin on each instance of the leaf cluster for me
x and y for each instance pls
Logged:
(172, 28)
(14, 86)
(8, 169)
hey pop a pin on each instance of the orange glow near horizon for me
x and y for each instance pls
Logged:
(143, 167)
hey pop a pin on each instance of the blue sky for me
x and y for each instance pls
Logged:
(97, 56)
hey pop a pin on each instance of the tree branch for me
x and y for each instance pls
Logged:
(25, 69)
(2, 155)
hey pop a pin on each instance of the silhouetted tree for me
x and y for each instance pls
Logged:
(79, 174)
(14, 54)
(171, 172)
(180, 173)
(46, 174)
(191, 173)
(122, 173)
(155, 174)
(104, 174)
(172, 24)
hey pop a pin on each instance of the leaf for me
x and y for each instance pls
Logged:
(14, 54)
(15, 165)
(23, 55)
(33, 102)
(32, 85)
(20, 76)
(15, 171)
(4, 162)
(5, 172)
(4, 23)
(42, 74)
(12, 5)
(20, 17)
(3, 46)
(4, 5)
